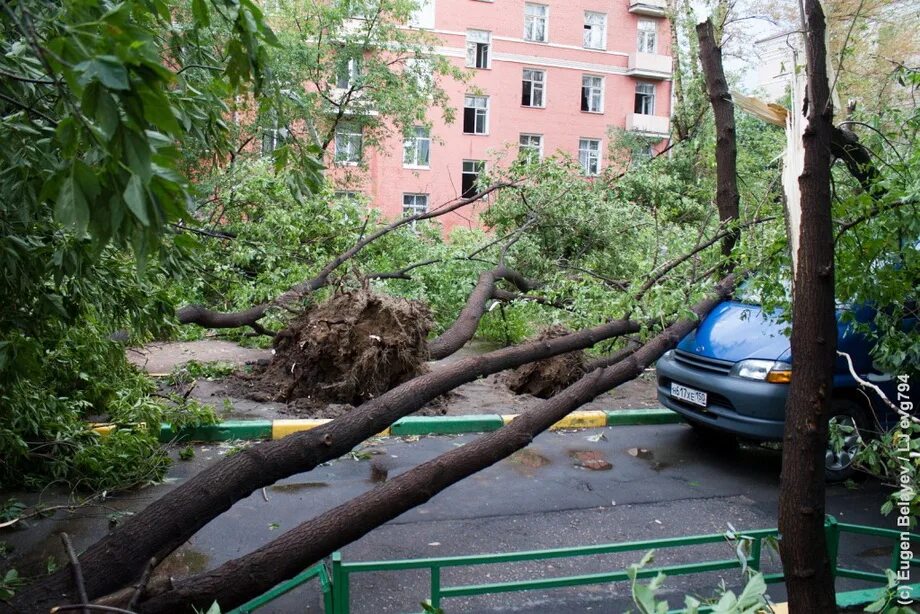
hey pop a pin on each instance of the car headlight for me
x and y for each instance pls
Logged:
(668, 354)
(773, 371)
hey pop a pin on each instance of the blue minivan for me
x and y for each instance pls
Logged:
(731, 376)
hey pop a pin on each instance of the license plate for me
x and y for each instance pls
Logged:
(689, 395)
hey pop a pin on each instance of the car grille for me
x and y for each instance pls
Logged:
(696, 361)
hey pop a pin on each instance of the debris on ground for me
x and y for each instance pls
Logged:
(545, 378)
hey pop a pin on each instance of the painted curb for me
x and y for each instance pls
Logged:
(409, 426)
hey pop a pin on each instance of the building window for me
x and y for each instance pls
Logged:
(272, 139)
(530, 147)
(470, 178)
(347, 74)
(533, 86)
(648, 36)
(477, 48)
(589, 156)
(476, 114)
(346, 195)
(536, 18)
(348, 144)
(414, 204)
(595, 30)
(592, 94)
(645, 98)
(417, 148)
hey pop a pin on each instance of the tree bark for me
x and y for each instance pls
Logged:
(809, 581)
(201, 315)
(241, 579)
(119, 558)
(727, 196)
(464, 327)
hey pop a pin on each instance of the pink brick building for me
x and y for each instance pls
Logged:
(550, 75)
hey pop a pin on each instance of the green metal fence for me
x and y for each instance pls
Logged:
(337, 596)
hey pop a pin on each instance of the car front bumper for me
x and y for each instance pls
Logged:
(736, 405)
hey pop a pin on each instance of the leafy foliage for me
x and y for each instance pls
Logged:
(96, 100)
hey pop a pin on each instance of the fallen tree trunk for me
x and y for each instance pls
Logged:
(201, 315)
(464, 327)
(241, 579)
(167, 523)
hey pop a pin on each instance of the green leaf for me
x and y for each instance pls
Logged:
(107, 116)
(134, 198)
(71, 208)
(200, 13)
(107, 70)
(137, 154)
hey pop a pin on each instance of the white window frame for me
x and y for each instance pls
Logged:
(476, 40)
(595, 91)
(479, 111)
(595, 31)
(534, 86)
(586, 154)
(530, 21)
(413, 207)
(346, 135)
(479, 167)
(347, 76)
(347, 194)
(645, 89)
(412, 148)
(647, 36)
(529, 146)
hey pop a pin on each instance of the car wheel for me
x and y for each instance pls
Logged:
(847, 423)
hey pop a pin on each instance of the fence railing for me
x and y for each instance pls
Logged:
(337, 593)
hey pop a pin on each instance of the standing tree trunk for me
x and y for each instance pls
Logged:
(727, 197)
(803, 547)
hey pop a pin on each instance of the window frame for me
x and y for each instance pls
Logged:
(347, 131)
(479, 169)
(588, 152)
(529, 20)
(590, 28)
(586, 99)
(479, 49)
(476, 115)
(647, 98)
(643, 33)
(542, 88)
(522, 148)
(348, 74)
(412, 143)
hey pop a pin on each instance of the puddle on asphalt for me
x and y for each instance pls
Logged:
(526, 460)
(647, 455)
(183, 562)
(590, 459)
(297, 486)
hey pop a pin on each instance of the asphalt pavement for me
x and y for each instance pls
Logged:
(566, 489)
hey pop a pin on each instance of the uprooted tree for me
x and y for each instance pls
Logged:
(619, 259)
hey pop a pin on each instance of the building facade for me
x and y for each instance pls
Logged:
(553, 75)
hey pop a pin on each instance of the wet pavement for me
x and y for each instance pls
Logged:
(566, 489)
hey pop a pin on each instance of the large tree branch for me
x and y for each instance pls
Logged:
(120, 557)
(198, 314)
(238, 580)
(464, 327)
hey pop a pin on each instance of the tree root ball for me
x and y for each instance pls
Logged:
(548, 377)
(351, 348)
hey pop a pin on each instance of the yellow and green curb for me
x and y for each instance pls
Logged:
(409, 426)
